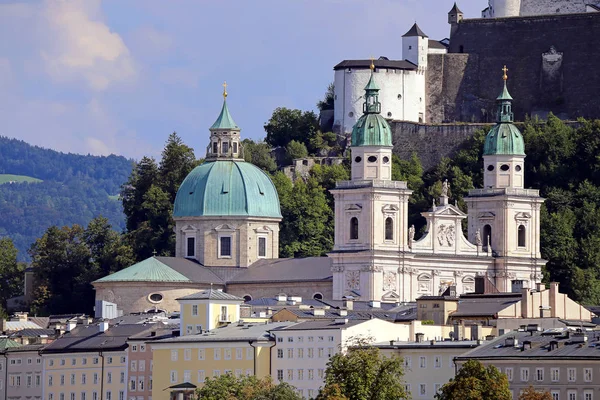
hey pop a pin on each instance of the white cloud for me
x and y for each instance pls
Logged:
(80, 46)
(97, 147)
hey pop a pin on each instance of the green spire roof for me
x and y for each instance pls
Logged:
(504, 138)
(504, 95)
(372, 129)
(224, 121)
(149, 270)
(371, 85)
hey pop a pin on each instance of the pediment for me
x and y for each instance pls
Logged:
(450, 211)
(263, 229)
(522, 215)
(486, 215)
(390, 296)
(225, 228)
(352, 294)
(188, 228)
(389, 208)
(353, 207)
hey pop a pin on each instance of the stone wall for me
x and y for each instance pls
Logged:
(541, 7)
(431, 142)
(552, 62)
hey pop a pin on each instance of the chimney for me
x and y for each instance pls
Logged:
(511, 341)
(525, 303)
(348, 303)
(540, 286)
(419, 337)
(554, 344)
(318, 312)
(103, 326)
(375, 304)
(70, 325)
(343, 313)
(553, 299)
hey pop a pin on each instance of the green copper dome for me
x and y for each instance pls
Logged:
(504, 138)
(227, 188)
(372, 129)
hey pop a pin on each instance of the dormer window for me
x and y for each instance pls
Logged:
(225, 147)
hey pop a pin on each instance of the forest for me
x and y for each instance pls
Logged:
(563, 161)
(65, 189)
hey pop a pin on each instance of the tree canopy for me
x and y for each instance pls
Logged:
(363, 373)
(229, 387)
(11, 273)
(474, 381)
(532, 394)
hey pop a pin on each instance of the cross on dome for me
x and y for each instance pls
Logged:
(505, 76)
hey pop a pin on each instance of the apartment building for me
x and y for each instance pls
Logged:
(207, 310)
(5, 344)
(139, 361)
(186, 361)
(21, 369)
(562, 361)
(428, 365)
(88, 363)
(302, 350)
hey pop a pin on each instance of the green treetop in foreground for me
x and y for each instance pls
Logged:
(475, 382)
(363, 373)
(229, 387)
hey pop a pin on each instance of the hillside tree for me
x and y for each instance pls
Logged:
(474, 381)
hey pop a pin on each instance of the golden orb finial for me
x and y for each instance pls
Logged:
(505, 76)
(372, 66)
(225, 90)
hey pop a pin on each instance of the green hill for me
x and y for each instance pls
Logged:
(69, 189)
(8, 178)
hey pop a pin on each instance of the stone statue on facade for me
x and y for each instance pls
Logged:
(445, 187)
(411, 236)
(478, 241)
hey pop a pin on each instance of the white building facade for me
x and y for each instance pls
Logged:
(402, 83)
(376, 256)
(525, 8)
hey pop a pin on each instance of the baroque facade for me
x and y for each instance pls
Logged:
(227, 218)
(376, 256)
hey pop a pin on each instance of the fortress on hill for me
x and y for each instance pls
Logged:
(550, 47)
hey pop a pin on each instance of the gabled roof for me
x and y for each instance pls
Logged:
(436, 44)
(415, 31)
(149, 270)
(6, 343)
(211, 294)
(380, 63)
(20, 325)
(231, 333)
(308, 269)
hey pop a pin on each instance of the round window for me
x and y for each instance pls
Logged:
(504, 167)
(372, 159)
(389, 114)
(399, 96)
(155, 297)
(518, 167)
(490, 168)
(351, 114)
(386, 159)
(358, 159)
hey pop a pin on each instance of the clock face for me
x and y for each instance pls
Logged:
(353, 280)
(389, 281)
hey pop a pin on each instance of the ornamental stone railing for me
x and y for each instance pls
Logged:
(371, 183)
(504, 191)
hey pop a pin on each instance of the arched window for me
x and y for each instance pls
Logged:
(487, 236)
(247, 298)
(354, 228)
(521, 236)
(318, 296)
(389, 228)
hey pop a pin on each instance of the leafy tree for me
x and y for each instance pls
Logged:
(11, 273)
(66, 260)
(328, 99)
(259, 154)
(144, 175)
(229, 387)
(474, 381)
(531, 394)
(295, 150)
(176, 163)
(305, 230)
(363, 373)
(286, 125)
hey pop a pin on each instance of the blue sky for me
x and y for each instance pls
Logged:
(117, 76)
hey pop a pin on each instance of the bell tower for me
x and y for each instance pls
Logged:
(224, 136)
(504, 214)
(370, 211)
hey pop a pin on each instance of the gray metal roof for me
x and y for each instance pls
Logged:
(445, 344)
(436, 44)
(89, 338)
(321, 325)
(381, 63)
(309, 269)
(414, 31)
(483, 306)
(211, 294)
(540, 346)
(231, 333)
(33, 333)
(330, 314)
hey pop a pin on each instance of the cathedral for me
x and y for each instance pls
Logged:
(227, 216)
